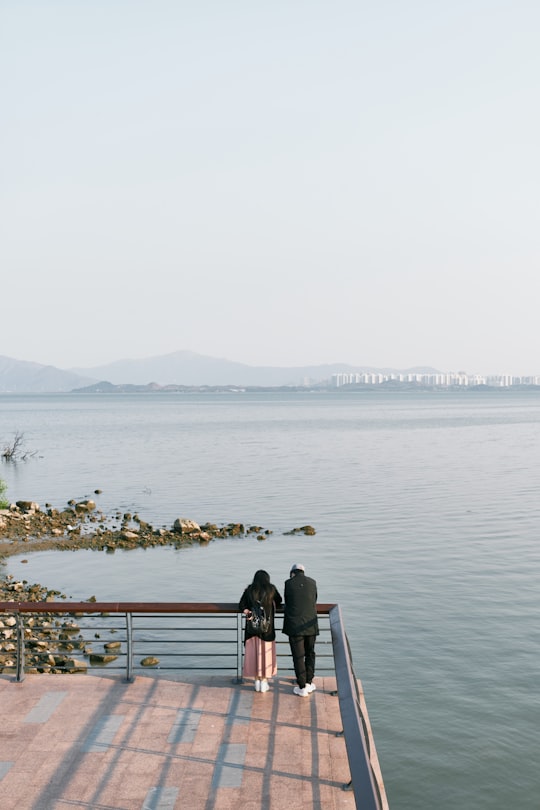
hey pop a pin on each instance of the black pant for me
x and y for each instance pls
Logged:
(303, 655)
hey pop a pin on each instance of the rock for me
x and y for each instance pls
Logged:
(28, 506)
(73, 665)
(185, 526)
(85, 506)
(308, 530)
(149, 661)
(113, 645)
(102, 658)
(234, 529)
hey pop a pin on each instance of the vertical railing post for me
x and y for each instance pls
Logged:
(239, 678)
(20, 649)
(129, 648)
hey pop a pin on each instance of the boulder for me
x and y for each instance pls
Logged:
(149, 661)
(308, 530)
(27, 506)
(185, 526)
(85, 506)
(113, 645)
(73, 665)
(101, 658)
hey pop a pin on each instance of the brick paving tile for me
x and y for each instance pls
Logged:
(95, 742)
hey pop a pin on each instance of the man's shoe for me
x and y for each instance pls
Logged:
(300, 692)
(310, 687)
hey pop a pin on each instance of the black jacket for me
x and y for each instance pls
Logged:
(300, 615)
(246, 601)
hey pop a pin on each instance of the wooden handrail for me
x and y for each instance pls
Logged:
(130, 607)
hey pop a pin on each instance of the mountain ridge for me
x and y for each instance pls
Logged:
(189, 368)
(27, 377)
(176, 368)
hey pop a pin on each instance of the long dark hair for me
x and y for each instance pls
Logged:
(262, 589)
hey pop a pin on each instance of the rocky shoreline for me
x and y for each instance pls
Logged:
(26, 527)
(53, 643)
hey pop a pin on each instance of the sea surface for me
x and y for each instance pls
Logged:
(427, 512)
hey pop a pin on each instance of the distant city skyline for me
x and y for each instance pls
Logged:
(442, 379)
(281, 185)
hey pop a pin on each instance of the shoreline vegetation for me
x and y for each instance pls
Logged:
(25, 528)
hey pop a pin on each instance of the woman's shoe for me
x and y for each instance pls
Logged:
(265, 686)
(257, 685)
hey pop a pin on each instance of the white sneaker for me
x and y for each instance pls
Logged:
(265, 686)
(310, 687)
(300, 692)
(257, 686)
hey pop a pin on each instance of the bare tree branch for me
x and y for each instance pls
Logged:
(14, 449)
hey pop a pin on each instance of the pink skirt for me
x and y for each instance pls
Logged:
(259, 658)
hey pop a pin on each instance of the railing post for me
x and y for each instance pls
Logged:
(20, 649)
(239, 678)
(129, 648)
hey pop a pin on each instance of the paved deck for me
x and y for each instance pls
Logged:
(86, 741)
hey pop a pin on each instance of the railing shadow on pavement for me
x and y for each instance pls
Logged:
(60, 637)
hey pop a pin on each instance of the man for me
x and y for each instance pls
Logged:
(301, 625)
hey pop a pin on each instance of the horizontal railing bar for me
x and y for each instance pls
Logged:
(129, 607)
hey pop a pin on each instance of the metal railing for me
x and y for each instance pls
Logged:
(364, 783)
(61, 637)
(166, 636)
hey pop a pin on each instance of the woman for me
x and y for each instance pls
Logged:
(260, 642)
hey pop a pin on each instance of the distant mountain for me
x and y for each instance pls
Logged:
(21, 376)
(188, 368)
(180, 368)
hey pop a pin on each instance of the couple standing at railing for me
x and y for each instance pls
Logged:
(259, 603)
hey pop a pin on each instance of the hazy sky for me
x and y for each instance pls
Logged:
(282, 183)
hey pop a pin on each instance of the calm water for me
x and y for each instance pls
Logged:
(427, 513)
